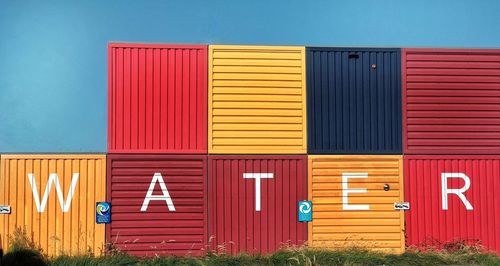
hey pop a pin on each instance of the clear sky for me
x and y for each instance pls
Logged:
(53, 61)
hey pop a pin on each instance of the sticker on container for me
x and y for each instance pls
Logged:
(103, 212)
(401, 205)
(305, 211)
(4, 209)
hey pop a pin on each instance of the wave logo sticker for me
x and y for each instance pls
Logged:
(305, 211)
(103, 213)
(305, 207)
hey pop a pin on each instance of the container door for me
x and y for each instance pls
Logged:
(257, 100)
(158, 204)
(157, 98)
(454, 201)
(354, 202)
(253, 203)
(354, 101)
(450, 102)
(52, 198)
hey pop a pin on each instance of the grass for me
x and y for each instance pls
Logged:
(301, 256)
(23, 251)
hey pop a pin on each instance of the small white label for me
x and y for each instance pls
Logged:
(4, 209)
(401, 205)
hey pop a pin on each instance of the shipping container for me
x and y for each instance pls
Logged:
(53, 201)
(354, 100)
(353, 199)
(159, 204)
(157, 100)
(253, 202)
(450, 101)
(257, 100)
(453, 199)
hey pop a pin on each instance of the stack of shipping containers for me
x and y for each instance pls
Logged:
(257, 147)
(157, 142)
(452, 146)
(355, 162)
(212, 147)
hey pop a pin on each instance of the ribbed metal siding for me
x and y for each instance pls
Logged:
(158, 231)
(73, 232)
(451, 101)
(257, 101)
(333, 226)
(157, 98)
(354, 108)
(235, 225)
(428, 223)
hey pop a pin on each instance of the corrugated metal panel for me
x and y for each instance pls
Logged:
(257, 101)
(354, 100)
(157, 98)
(157, 229)
(428, 221)
(451, 101)
(236, 225)
(359, 218)
(54, 229)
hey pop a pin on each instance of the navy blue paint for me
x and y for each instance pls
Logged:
(53, 82)
(351, 107)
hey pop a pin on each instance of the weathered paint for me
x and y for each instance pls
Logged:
(450, 101)
(55, 230)
(157, 98)
(437, 217)
(257, 100)
(244, 218)
(343, 217)
(354, 100)
(159, 227)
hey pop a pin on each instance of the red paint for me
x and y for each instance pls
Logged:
(450, 101)
(235, 226)
(426, 221)
(158, 231)
(157, 98)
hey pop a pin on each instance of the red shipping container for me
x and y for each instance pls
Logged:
(453, 198)
(157, 100)
(451, 101)
(253, 202)
(158, 204)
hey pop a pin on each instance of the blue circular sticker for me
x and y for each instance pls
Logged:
(102, 208)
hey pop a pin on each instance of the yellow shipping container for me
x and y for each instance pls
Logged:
(353, 202)
(257, 100)
(53, 198)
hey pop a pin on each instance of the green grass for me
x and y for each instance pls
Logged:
(24, 251)
(300, 256)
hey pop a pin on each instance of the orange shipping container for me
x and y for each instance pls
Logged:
(353, 202)
(53, 198)
(256, 100)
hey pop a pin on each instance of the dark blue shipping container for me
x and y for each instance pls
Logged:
(354, 100)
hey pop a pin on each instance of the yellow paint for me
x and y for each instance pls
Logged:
(257, 100)
(381, 227)
(56, 232)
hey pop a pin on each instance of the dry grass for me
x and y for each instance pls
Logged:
(23, 249)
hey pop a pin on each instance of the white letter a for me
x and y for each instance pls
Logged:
(149, 196)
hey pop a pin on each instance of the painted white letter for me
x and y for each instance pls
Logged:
(257, 177)
(165, 197)
(459, 192)
(53, 178)
(346, 190)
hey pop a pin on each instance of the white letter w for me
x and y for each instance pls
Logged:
(53, 178)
